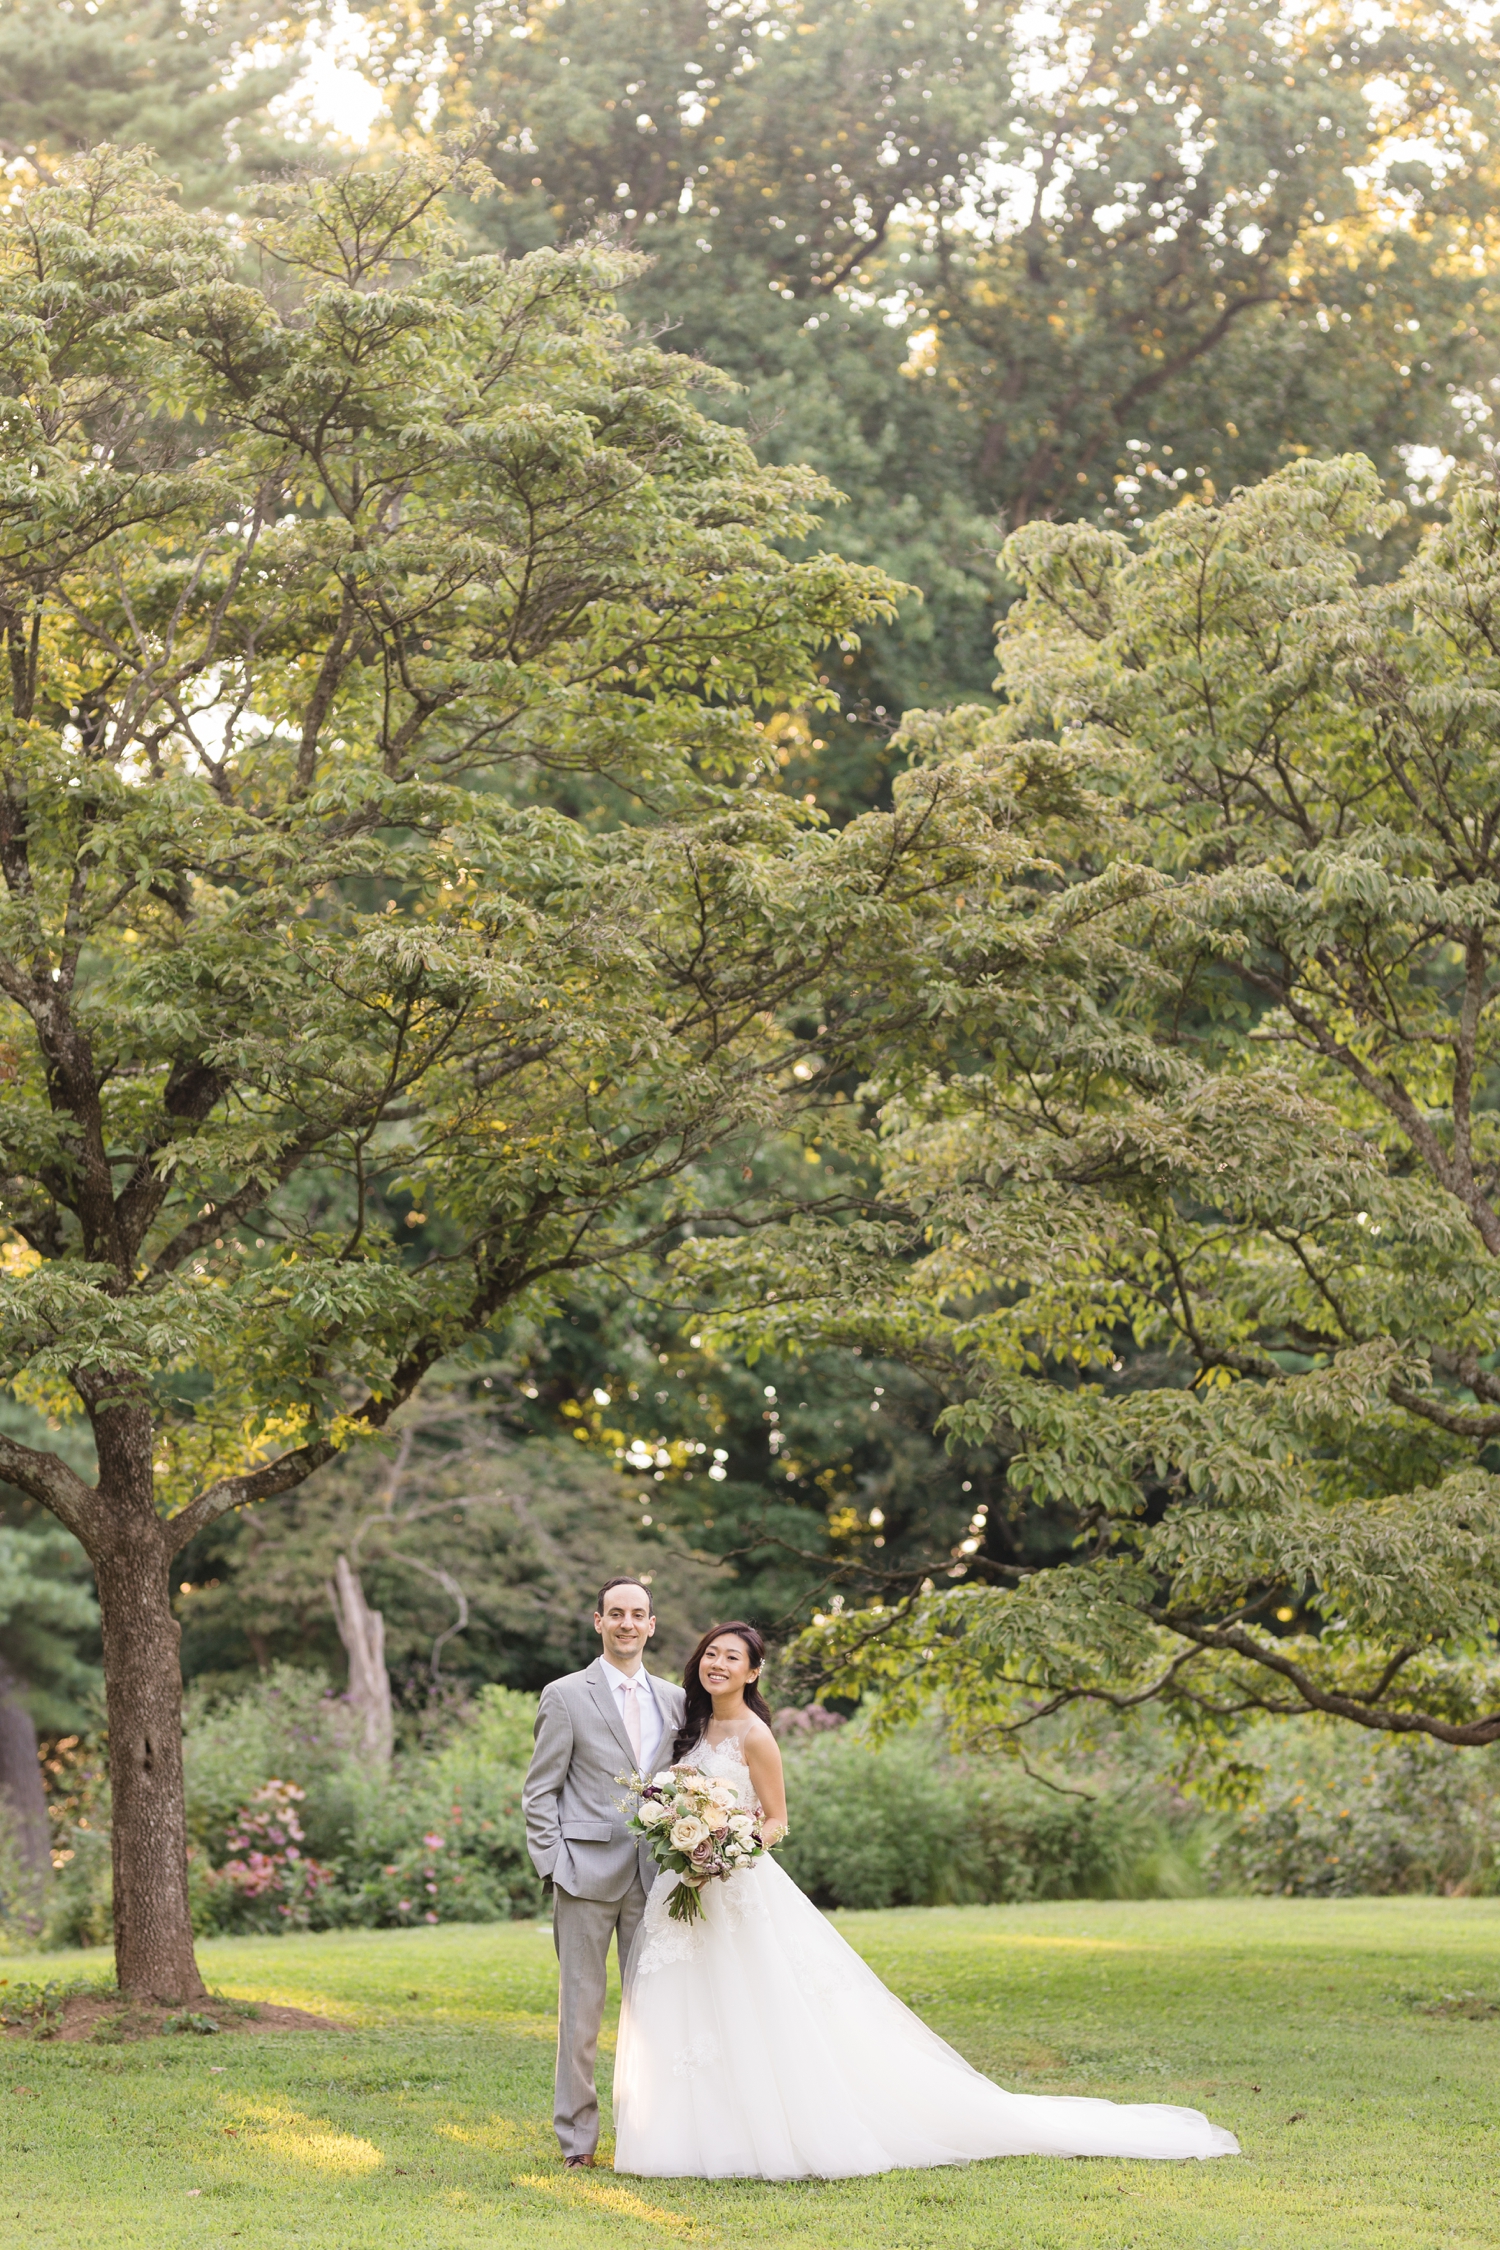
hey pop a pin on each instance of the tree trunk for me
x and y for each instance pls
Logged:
(23, 1798)
(143, 1687)
(362, 1631)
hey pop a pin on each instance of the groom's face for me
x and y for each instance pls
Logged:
(625, 1624)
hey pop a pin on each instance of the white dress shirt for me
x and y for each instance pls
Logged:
(622, 1686)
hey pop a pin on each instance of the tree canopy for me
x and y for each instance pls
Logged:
(975, 264)
(193, 83)
(1198, 1209)
(327, 1040)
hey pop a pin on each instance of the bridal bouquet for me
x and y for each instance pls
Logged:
(696, 1828)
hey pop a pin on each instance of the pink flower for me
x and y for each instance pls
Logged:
(429, 1917)
(403, 1906)
(434, 1842)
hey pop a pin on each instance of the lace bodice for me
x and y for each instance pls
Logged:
(725, 1761)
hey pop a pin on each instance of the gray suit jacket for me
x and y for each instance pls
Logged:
(575, 1824)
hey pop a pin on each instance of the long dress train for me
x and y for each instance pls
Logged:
(757, 2044)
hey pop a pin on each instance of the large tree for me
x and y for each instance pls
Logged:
(304, 585)
(1197, 1215)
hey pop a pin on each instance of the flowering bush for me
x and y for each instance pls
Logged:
(444, 1837)
(290, 1726)
(426, 1880)
(269, 1882)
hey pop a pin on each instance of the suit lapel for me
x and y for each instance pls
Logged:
(609, 1710)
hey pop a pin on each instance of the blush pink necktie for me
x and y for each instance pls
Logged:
(631, 1710)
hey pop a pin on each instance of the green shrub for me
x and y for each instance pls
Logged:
(80, 1906)
(288, 1727)
(438, 1837)
(1340, 1813)
(443, 1838)
(900, 1824)
(79, 1900)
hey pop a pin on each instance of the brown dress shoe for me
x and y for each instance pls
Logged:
(575, 2163)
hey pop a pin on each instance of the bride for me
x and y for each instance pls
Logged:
(755, 2043)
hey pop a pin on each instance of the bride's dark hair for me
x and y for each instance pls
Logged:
(700, 1704)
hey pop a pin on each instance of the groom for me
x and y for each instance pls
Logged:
(589, 1727)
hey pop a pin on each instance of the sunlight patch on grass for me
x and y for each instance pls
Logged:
(618, 2202)
(497, 2136)
(295, 2138)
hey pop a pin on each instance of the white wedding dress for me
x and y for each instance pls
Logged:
(756, 2044)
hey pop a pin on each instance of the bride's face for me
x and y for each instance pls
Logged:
(725, 1665)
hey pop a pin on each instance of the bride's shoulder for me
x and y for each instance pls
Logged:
(757, 1735)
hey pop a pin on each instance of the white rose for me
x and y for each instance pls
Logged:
(667, 1780)
(654, 1812)
(688, 1833)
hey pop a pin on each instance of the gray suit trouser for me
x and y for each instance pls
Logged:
(581, 1931)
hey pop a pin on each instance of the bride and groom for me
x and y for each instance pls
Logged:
(754, 2042)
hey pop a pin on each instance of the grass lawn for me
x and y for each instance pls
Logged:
(1319, 2031)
